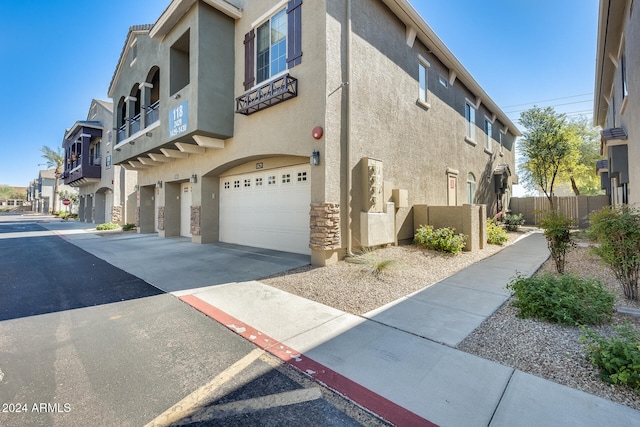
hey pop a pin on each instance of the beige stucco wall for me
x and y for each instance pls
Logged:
(417, 145)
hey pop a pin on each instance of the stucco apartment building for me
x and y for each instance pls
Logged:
(40, 192)
(105, 190)
(616, 100)
(306, 126)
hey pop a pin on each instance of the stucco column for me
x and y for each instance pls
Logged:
(145, 102)
(131, 101)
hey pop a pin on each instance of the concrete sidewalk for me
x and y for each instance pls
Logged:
(403, 352)
(398, 361)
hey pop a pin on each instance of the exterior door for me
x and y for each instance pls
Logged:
(185, 209)
(452, 190)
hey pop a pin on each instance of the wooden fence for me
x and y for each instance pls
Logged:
(577, 208)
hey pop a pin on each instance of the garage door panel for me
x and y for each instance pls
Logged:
(268, 209)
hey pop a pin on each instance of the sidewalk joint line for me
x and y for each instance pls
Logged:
(513, 371)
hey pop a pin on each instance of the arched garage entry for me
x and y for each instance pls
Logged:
(265, 203)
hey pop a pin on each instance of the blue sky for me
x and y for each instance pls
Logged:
(56, 56)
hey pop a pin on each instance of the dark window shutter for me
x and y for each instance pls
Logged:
(249, 60)
(294, 51)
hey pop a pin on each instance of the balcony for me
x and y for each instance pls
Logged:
(267, 95)
(122, 133)
(134, 124)
(82, 171)
(152, 113)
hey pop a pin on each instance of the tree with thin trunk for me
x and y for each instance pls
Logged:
(54, 159)
(546, 145)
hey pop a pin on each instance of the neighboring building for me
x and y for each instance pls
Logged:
(311, 127)
(41, 192)
(616, 100)
(105, 189)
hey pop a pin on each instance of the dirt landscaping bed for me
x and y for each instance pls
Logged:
(546, 350)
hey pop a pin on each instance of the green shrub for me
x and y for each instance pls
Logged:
(512, 222)
(617, 231)
(496, 235)
(128, 227)
(441, 239)
(617, 357)
(566, 299)
(107, 226)
(557, 230)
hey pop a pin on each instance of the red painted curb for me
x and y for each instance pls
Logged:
(364, 397)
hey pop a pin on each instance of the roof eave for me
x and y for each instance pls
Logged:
(178, 8)
(136, 29)
(611, 18)
(408, 14)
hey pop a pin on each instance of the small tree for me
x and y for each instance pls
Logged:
(546, 145)
(617, 232)
(557, 230)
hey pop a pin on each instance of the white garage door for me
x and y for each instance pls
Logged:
(267, 209)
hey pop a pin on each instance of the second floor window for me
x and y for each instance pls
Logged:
(470, 116)
(488, 130)
(272, 47)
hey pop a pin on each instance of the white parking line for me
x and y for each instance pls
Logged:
(258, 404)
(191, 404)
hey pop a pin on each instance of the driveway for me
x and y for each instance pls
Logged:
(175, 264)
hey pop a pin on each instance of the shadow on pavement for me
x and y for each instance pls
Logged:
(47, 274)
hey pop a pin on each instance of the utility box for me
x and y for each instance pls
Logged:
(372, 186)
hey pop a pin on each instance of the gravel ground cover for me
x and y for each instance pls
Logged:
(546, 350)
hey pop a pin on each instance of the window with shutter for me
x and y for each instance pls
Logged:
(274, 46)
(249, 77)
(294, 51)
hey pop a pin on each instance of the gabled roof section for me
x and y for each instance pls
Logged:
(84, 124)
(107, 105)
(47, 173)
(133, 30)
(178, 8)
(611, 19)
(414, 22)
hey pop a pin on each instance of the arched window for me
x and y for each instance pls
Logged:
(471, 188)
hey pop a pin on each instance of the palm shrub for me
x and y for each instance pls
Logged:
(557, 230)
(617, 232)
(441, 239)
(496, 235)
(566, 299)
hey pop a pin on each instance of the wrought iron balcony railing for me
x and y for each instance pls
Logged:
(152, 113)
(267, 95)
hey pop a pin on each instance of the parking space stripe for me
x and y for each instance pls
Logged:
(255, 404)
(191, 404)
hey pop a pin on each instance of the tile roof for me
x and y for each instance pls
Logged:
(614, 133)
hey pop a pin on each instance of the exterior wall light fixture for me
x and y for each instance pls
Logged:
(193, 179)
(315, 158)
(159, 184)
(149, 134)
